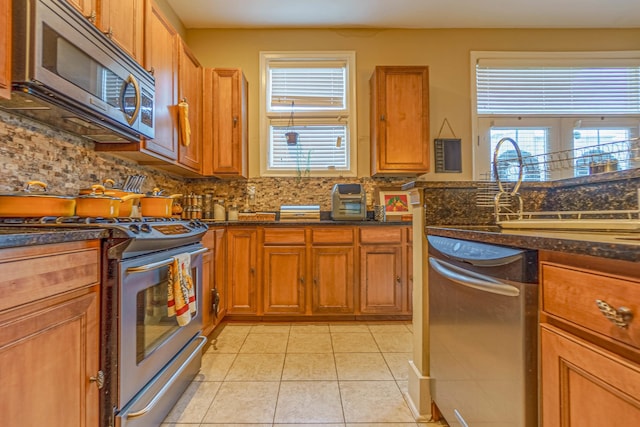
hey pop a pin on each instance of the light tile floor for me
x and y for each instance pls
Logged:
(347, 374)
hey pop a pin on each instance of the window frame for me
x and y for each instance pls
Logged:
(325, 117)
(560, 127)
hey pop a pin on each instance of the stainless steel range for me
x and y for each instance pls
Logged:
(147, 359)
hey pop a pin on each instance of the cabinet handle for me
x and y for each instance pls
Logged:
(152, 71)
(92, 17)
(252, 270)
(302, 280)
(315, 281)
(383, 118)
(109, 33)
(398, 279)
(235, 121)
(98, 379)
(621, 317)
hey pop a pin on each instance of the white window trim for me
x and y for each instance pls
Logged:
(564, 129)
(350, 58)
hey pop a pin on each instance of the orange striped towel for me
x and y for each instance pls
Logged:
(181, 297)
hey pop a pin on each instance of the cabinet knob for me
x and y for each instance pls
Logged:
(152, 71)
(383, 118)
(398, 279)
(302, 280)
(252, 270)
(621, 317)
(109, 33)
(92, 17)
(98, 379)
(235, 121)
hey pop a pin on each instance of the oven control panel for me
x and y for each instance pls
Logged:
(172, 229)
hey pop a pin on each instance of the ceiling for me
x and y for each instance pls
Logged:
(408, 13)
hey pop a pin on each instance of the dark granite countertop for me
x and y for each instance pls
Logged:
(12, 236)
(212, 223)
(619, 245)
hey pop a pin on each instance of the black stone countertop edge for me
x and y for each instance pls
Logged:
(30, 236)
(618, 246)
(212, 223)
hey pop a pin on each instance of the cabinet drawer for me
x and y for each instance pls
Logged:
(36, 272)
(571, 294)
(332, 235)
(381, 234)
(284, 236)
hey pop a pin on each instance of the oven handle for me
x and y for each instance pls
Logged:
(170, 382)
(163, 263)
(472, 280)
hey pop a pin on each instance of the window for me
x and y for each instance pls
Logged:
(580, 106)
(313, 95)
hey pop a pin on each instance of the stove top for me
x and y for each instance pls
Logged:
(147, 228)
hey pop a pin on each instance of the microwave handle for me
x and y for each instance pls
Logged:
(159, 264)
(132, 118)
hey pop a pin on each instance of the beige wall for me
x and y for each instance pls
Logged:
(446, 52)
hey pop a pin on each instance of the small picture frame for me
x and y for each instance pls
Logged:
(396, 205)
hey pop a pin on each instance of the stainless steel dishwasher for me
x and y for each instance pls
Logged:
(483, 315)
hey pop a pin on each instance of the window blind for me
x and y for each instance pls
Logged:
(557, 89)
(320, 147)
(313, 87)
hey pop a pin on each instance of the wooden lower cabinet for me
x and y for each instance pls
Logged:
(284, 279)
(242, 273)
(589, 351)
(333, 280)
(322, 271)
(50, 335)
(584, 385)
(213, 278)
(381, 279)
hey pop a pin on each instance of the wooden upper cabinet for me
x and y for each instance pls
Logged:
(400, 120)
(5, 48)
(161, 56)
(190, 78)
(88, 8)
(121, 20)
(225, 124)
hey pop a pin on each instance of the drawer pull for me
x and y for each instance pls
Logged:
(621, 317)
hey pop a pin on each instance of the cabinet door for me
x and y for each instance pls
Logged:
(220, 272)
(381, 279)
(226, 125)
(122, 21)
(241, 271)
(333, 279)
(48, 353)
(400, 120)
(190, 77)
(208, 315)
(584, 386)
(284, 279)
(86, 8)
(5, 48)
(161, 56)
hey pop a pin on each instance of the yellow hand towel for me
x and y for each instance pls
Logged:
(181, 297)
(185, 126)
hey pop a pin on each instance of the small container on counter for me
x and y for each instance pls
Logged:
(219, 213)
(233, 212)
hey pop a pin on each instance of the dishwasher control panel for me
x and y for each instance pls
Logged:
(474, 252)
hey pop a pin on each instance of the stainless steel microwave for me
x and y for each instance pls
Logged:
(70, 75)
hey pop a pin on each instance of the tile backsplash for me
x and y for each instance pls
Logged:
(30, 150)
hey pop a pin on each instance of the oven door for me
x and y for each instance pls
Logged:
(149, 338)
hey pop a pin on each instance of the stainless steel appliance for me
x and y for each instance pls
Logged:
(348, 202)
(68, 74)
(147, 360)
(483, 305)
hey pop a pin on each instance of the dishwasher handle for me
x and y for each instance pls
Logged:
(472, 280)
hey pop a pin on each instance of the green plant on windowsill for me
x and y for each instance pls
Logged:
(302, 171)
